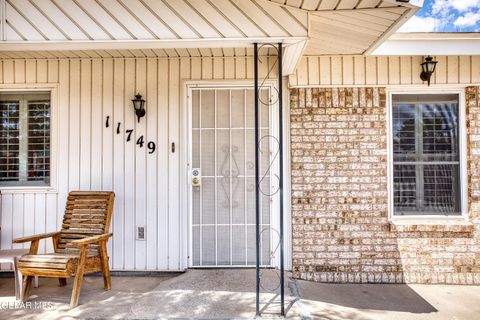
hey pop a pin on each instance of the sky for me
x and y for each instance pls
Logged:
(445, 16)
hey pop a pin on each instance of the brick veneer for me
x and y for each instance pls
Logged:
(341, 231)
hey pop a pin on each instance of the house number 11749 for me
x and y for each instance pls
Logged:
(151, 146)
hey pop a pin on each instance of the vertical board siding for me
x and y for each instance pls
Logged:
(382, 70)
(92, 157)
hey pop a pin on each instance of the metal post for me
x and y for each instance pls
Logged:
(257, 180)
(280, 151)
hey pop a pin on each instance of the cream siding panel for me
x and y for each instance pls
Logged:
(359, 70)
(41, 71)
(63, 133)
(452, 70)
(129, 167)
(325, 70)
(383, 70)
(7, 226)
(406, 67)
(347, 72)
(173, 163)
(18, 218)
(151, 183)
(312, 70)
(118, 123)
(19, 66)
(96, 116)
(8, 72)
(91, 156)
(371, 70)
(74, 127)
(140, 165)
(464, 69)
(475, 69)
(85, 123)
(302, 72)
(107, 133)
(229, 72)
(163, 157)
(30, 71)
(38, 207)
(441, 71)
(7, 222)
(50, 218)
(416, 69)
(240, 68)
(207, 68)
(336, 70)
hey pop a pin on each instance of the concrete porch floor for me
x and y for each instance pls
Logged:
(227, 294)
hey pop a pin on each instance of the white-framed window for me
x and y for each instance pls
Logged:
(25, 139)
(426, 158)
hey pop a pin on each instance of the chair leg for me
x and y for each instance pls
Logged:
(35, 282)
(27, 285)
(18, 279)
(62, 281)
(77, 284)
(107, 283)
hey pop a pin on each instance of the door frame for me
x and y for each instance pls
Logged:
(185, 158)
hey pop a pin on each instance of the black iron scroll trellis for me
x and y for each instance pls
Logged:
(260, 177)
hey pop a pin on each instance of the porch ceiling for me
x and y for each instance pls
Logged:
(216, 28)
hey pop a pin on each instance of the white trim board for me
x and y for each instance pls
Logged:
(462, 146)
(411, 44)
(144, 44)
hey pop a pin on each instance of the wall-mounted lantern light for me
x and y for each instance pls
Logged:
(428, 68)
(139, 105)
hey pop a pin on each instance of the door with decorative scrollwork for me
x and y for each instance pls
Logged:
(222, 175)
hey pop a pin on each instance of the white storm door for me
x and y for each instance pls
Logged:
(222, 208)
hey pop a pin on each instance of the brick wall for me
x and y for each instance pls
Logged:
(341, 231)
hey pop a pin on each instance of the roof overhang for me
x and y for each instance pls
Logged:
(411, 44)
(91, 29)
(354, 32)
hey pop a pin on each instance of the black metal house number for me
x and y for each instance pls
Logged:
(151, 146)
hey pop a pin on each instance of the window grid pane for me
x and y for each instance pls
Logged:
(426, 166)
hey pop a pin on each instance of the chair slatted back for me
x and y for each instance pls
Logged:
(87, 213)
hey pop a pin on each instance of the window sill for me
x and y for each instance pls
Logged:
(460, 226)
(12, 190)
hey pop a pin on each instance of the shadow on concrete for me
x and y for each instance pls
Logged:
(387, 297)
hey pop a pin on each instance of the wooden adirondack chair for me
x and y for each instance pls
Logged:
(79, 248)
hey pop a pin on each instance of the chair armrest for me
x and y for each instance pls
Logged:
(36, 237)
(93, 239)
